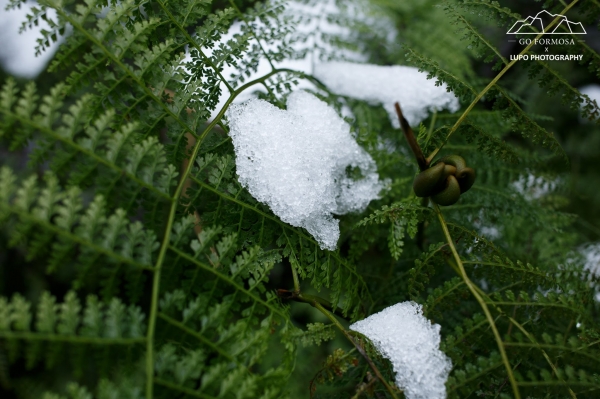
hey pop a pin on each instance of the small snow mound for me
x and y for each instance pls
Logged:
(403, 335)
(386, 85)
(295, 161)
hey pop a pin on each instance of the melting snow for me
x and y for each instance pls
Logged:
(295, 161)
(403, 335)
(387, 84)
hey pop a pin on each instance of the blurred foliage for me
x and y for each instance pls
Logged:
(90, 186)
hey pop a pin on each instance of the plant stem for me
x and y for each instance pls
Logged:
(167, 237)
(475, 292)
(494, 81)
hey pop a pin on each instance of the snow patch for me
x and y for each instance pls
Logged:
(403, 335)
(387, 84)
(17, 53)
(295, 161)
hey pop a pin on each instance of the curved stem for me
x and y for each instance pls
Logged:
(167, 237)
(476, 293)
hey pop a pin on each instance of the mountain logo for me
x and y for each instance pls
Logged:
(542, 20)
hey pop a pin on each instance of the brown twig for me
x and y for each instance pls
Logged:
(411, 139)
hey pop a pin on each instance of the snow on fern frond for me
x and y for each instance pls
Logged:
(295, 161)
(403, 335)
(387, 84)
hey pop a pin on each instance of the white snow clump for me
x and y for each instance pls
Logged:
(295, 161)
(403, 335)
(385, 85)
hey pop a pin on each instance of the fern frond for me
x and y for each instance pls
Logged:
(55, 221)
(138, 198)
(478, 43)
(97, 323)
(551, 80)
(461, 89)
(488, 144)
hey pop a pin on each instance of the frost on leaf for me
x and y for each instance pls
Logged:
(296, 162)
(387, 84)
(404, 336)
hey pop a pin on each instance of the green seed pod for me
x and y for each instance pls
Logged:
(450, 194)
(449, 170)
(445, 181)
(464, 174)
(426, 181)
(455, 160)
(466, 179)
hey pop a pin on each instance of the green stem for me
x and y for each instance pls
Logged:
(167, 237)
(475, 292)
(493, 82)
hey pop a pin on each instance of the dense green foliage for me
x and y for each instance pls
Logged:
(134, 265)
